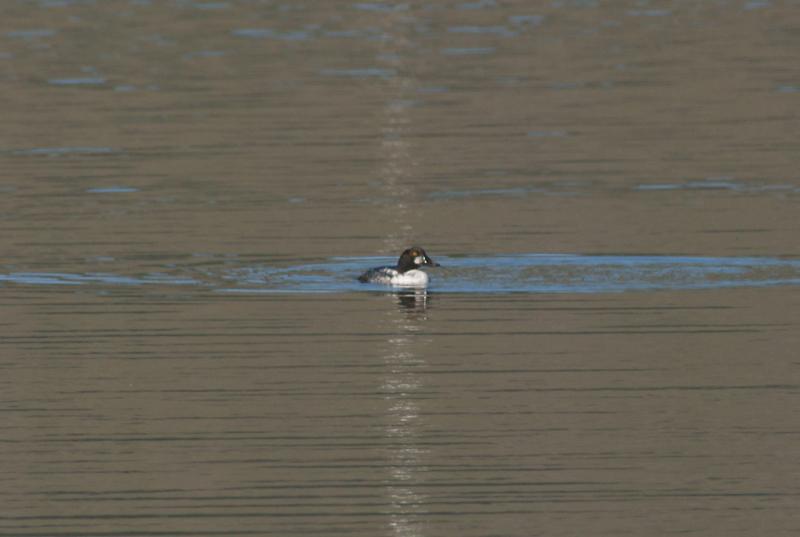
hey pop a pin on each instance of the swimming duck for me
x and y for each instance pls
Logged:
(405, 273)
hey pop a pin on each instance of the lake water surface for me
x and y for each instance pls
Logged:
(189, 189)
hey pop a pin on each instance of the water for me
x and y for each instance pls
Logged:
(531, 273)
(534, 273)
(189, 189)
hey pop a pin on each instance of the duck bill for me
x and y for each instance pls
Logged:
(431, 262)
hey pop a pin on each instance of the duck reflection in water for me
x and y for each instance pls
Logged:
(413, 300)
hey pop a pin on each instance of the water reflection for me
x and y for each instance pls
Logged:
(401, 357)
(404, 413)
(413, 301)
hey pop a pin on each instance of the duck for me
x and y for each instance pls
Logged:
(405, 274)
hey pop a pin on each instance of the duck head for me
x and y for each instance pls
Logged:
(414, 258)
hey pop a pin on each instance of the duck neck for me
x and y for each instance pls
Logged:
(405, 263)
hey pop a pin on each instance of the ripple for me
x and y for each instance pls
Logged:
(718, 183)
(499, 192)
(526, 20)
(547, 134)
(467, 51)
(533, 273)
(59, 151)
(649, 12)
(211, 6)
(269, 33)
(519, 273)
(478, 4)
(756, 4)
(489, 30)
(367, 72)
(382, 8)
(36, 33)
(62, 278)
(80, 81)
(112, 190)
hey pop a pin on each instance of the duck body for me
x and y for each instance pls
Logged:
(405, 274)
(391, 276)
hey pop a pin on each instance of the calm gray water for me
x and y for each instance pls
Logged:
(188, 190)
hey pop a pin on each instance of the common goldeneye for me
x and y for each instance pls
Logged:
(405, 273)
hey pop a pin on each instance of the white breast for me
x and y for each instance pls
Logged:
(411, 278)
